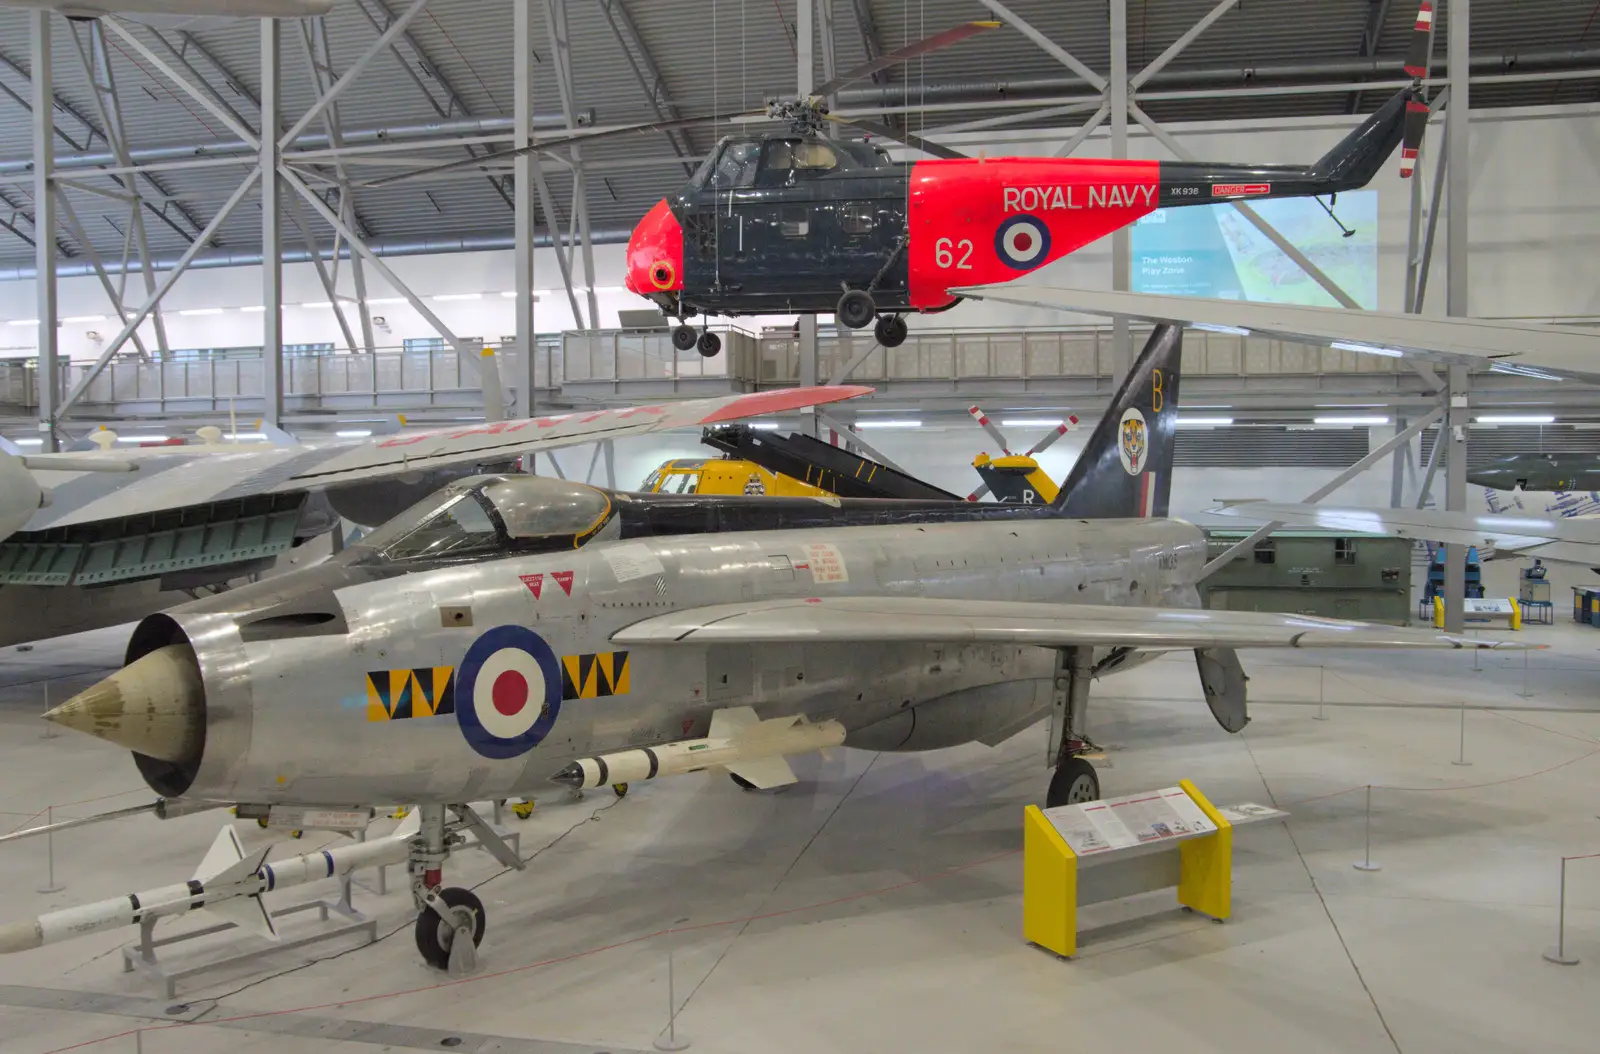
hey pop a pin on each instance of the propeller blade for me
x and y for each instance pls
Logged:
(983, 488)
(1054, 434)
(910, 51)
(1419, 58)
(988, 426)
(883, 131)
(571, 139)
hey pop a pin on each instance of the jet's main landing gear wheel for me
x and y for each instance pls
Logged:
(891, 331)
(1074, 782)
(855, 309)
(708, 344)
(683, 337)
(451, 915)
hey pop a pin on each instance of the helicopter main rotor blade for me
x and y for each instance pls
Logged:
(910, 51)
(912, 139)
(574, 138)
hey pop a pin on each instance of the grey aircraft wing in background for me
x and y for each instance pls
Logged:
(1539, 352)
(1573, 540)
(1539, 472)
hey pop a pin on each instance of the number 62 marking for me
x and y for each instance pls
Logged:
(944, 254)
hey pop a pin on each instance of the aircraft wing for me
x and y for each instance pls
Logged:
(1548, 353)
(912, 620)
(1569, 540)
(167, 478)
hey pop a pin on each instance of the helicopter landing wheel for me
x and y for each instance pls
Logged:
(708, 344)
(855, 309)
(891, 331)
(683, 337)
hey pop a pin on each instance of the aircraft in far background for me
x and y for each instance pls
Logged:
(1542, 472)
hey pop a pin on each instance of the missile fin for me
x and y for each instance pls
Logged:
(765, 773)
(225, 851)
(247, 913)
(730, 721)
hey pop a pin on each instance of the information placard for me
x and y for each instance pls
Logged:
(1128, 821)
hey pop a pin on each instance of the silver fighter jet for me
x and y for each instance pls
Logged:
(515, 629)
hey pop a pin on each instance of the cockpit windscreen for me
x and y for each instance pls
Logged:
(486, 516)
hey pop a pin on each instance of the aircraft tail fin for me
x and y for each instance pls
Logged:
(1125, 471)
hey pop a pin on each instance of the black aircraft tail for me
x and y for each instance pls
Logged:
(1125, 471)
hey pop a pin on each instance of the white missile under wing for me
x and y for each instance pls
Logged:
(165, 478)
(931, 620)
(1573, 540)
(1548, 353)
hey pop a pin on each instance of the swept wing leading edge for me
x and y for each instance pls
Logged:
(1535, 351)
(872, 620)
(169, 478)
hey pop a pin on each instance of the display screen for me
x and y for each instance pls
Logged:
(1214, 251)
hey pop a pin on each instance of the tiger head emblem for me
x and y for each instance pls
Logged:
(1132, 441)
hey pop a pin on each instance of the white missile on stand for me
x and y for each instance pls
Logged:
(740, 742)
(228, 884)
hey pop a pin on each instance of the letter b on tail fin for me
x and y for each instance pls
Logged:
(1126, 470)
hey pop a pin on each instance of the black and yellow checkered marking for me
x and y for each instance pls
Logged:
(425, 692)
(594, 676)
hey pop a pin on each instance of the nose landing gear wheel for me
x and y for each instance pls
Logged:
(891, 331)
(1074, 782)
(855, 309)
(683, 338)
(436, 935)
(708, 344)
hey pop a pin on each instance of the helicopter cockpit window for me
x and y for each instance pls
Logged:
(737, 165)
(798, 157)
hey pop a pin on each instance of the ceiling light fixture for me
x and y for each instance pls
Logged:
(84, 318)
(192, 311)
(444, 297)
(1204, 422)
(1516, 419)
(904, 422)
(1357, 420)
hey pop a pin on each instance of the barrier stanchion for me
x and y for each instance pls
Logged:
(1558, 954)
(1321, 696)
(1366, 863)
(1461, 754)
(50, 853)
(671, 1040)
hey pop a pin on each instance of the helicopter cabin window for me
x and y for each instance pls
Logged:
(794, 221)
(737, 166)
(856, 219)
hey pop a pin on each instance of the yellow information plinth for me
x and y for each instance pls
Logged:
(1089, 853)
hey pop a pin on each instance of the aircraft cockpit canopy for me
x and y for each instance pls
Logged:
(486, 516)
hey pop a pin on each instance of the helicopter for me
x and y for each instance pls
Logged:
(800, 222)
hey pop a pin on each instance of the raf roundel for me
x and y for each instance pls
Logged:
(508, 692)
(1022, 242)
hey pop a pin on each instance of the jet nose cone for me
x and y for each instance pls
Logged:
(153, 706)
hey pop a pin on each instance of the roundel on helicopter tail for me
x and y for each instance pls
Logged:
(508, 692)
(1022, 242)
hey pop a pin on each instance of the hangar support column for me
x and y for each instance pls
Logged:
(44, 225)
(271, 244)
(522, 209)
(1458, 133)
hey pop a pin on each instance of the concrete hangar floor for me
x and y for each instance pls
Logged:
(877, 905)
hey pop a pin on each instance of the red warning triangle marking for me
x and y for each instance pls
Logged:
(563, 579)
(535, 583)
